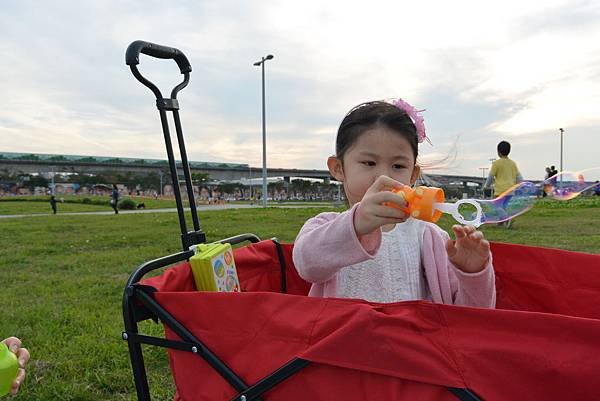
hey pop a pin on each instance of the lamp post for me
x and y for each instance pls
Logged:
(261, 64)
(250, 180)
(561, 148)
(160, 173)
(561, 154)
(53, 191)
(483, 169)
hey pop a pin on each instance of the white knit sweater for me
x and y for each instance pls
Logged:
(395, 274)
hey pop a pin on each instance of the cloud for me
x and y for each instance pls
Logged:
(484, 72)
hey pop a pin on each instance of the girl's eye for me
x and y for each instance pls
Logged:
(368, 163)
(398, 166)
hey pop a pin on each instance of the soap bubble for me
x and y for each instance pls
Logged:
(568, 185)
(521, 197)
(511, 203)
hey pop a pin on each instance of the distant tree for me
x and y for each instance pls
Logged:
(229, 187)
(32, 181)
(200, 178)
(301, 187)
(150, 181)
(84, 179)
(87, 159)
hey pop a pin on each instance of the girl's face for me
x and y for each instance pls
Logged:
(378, 151)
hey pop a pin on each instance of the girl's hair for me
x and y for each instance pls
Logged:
(369, 115)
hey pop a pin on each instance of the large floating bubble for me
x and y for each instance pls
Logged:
(567, 185)
(521, 197)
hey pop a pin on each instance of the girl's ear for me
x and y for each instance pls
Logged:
(335, 168)
(415, 175)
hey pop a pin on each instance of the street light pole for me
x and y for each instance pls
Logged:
(264, 128)
(561, 154)
(561, 148)
(484, 169)
(53, 191)
(160, 173)
(250, 180)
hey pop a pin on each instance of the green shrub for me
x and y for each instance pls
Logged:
(87, 201)
(127, 204)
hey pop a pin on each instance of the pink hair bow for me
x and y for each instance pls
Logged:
(415, 116)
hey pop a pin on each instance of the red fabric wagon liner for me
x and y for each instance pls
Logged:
(542, 343)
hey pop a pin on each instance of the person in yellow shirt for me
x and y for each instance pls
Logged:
(504, 173)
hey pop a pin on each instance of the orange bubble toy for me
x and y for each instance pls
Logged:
(421, 202)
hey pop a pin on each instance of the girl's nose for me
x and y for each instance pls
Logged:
(389, 172)
(379, 174)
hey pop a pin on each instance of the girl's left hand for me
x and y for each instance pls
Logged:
(470, 252)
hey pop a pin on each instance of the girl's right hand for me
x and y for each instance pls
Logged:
(372, 212)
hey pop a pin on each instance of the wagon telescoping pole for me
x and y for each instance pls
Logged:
(171, 104)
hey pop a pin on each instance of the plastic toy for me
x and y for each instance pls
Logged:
(9, 366)
(423, 203)
(213, 268)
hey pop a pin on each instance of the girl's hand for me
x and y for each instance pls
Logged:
(372, 213)
(470, 252)
(14, 345)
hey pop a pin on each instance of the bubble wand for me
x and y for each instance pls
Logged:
(427, 203)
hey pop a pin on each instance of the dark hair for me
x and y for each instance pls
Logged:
(369, 115)
(504, 148)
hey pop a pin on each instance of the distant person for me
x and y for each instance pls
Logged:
(546, 185)
(14, 345)
(504, 174)
(53, 203)
(114, 198)
(551, 181)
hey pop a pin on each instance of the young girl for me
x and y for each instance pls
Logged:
(376, 252)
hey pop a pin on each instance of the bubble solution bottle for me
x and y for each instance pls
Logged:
(9, 367)
(421, 202)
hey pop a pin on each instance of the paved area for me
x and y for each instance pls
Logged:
(200, 208)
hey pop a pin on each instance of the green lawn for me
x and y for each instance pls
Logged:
(71, 203)
(63, 277)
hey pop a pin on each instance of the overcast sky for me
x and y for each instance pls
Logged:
(484, 72)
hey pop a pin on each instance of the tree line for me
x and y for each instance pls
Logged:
(151, 182)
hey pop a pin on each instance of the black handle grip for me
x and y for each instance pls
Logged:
(132, 55)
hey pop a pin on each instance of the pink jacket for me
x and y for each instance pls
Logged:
(318, 264)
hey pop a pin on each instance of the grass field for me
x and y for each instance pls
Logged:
(40, 204)
(63, 277)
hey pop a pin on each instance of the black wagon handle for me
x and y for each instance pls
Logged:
(132, 55)
(132, 59)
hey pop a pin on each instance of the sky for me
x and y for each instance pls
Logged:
(483, 72)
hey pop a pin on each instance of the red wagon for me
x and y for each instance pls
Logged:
(273, 342)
